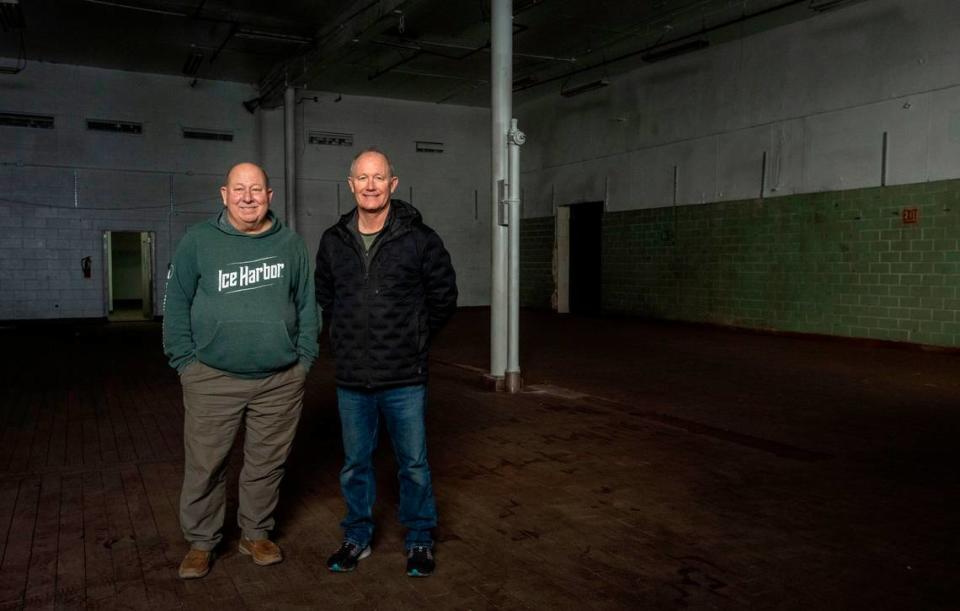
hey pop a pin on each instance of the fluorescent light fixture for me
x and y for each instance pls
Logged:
(11, 16)
(823, 6)
(192, 63)
(597, 84)
(273, 36)
(133, 7)
(675, 50)
(525, 82)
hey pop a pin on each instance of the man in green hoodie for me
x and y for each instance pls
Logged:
(240, 327)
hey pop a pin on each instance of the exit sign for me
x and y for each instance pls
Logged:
(910, 216)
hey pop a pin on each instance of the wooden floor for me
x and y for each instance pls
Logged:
(632, 474)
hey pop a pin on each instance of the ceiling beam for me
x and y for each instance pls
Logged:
(359, 23)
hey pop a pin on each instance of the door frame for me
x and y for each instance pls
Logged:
(147, 286)
(561, 253)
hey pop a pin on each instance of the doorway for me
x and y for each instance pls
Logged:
(129, 256)
(585, 272)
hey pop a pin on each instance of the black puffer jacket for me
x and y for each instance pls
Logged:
(384, 306)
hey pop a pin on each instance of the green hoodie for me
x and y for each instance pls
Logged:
(240, 303)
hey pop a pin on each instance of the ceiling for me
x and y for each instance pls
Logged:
(426, 50)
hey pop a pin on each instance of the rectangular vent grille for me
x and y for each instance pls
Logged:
(12, 119)
(117, 127)
(191, 133)
(330, 138)
(429, 147)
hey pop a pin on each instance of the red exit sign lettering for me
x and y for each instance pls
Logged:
(910, 216)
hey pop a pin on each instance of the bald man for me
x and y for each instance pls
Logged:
(387, 283)
(240, 327)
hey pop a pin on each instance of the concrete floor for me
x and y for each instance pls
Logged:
(653, 466)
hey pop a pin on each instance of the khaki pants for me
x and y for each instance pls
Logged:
(215, 405)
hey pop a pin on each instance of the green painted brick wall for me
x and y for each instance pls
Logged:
(536, 262)
(839, 263)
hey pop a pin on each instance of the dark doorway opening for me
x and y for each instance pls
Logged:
(129, 275)
(585, 257)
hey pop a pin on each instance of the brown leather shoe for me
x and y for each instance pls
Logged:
(264, 551)
(195, 564)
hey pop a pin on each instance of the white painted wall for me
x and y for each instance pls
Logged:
(815, 95)
(61, 189)
(444, 186)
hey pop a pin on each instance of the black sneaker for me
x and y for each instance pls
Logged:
(420, 561)
(345, 559)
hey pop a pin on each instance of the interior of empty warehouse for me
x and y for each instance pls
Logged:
(739, 292)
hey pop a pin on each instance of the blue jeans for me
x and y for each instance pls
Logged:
(403, 413)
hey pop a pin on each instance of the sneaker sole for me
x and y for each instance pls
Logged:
(416, 573)
(192, 574)
(336, 568)
(247, 552)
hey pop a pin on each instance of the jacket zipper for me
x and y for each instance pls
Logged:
(367, 262)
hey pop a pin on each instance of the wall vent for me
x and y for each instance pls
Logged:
(429, 147)
(13, 119)
(117, 127)
(329, 138)
(193, 133)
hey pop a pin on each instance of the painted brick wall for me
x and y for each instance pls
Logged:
(40, 273)
(839, 263)
(536, 262)
(40, 270)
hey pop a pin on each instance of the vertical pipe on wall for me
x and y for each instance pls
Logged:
(883, 162)
(290, 156)
(515, 138)
(763, 175)
(501, 104)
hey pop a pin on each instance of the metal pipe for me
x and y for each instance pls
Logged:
(661, 43)
(501, 84)
(290, 156)
(515, 138)
(419, 44)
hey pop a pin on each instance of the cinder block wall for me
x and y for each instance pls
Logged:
(536, 262)
(839, 263)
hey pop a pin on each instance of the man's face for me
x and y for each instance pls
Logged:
(371, 182)
(246, 197)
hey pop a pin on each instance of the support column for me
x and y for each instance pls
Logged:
(501, 105)
(515, 138)
(290, 156)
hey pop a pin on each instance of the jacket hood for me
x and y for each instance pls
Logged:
(222, 223)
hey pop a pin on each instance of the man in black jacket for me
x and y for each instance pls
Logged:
(386, 284)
